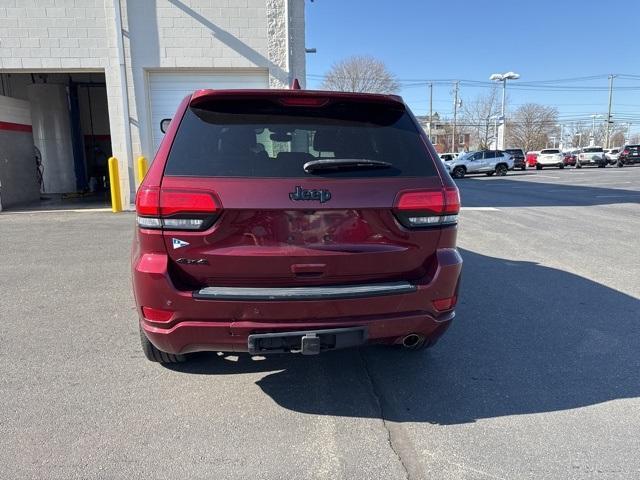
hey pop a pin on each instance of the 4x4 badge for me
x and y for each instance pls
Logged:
(303, 194)
(177, 243)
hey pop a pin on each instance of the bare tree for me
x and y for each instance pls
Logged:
(477, 115)
(360, 73)
(578, 134)
(634, 139)
(531, 125)
(617, 136)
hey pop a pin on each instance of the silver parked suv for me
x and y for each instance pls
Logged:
(485, 161)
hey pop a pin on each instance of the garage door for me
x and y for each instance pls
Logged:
(167, 89)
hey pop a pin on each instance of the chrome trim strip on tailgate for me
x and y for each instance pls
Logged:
(304, 293)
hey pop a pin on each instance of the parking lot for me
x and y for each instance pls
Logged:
(537, 378)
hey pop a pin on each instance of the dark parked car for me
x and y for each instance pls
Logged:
(629, 155)
(518, 158)
(294, 221)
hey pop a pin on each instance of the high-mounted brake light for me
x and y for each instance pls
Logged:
(428, 208)
(175, 209)
(303, 101)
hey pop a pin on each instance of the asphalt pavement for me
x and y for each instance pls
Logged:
(537, 378)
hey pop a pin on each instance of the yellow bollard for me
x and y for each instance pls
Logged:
(142, 169)
(114, 183)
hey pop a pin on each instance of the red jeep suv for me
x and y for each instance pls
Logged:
(293, 221)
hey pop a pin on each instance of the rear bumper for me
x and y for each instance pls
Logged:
(199, 324)
(628, 161)
(551, 164)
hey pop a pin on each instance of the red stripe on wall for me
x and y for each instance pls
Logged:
(15, 127)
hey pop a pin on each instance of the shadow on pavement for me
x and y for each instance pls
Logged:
(502, 192)
(527, 339)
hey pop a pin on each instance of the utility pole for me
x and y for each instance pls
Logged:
(592, 138)
(611, 77)
(561, 141)
(504, 120)
(486, 133)
(430, 108)
(455, 114)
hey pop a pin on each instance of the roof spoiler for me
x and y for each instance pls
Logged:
(305, 97)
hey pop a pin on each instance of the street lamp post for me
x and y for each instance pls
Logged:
(503, 77)
(592, 140)
(495, 119)
(627, 133)
(561, 139)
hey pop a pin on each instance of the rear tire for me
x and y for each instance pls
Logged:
(578, 165)
(620, 164)
(538, 167)
(488, 174)
(524, 167)
(458, 172)
(560, 167)
(501, 170)
(155, 355)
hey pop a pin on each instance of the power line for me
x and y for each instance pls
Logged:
(554, 85)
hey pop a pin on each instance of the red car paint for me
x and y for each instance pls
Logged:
(261, 238)
(569, 159)
(532, 159)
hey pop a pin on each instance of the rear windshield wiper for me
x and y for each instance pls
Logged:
(343, 164)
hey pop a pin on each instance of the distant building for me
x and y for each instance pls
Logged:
(441, 134)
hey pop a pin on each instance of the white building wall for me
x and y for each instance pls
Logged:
(80, 35)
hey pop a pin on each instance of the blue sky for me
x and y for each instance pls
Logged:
(470, 40)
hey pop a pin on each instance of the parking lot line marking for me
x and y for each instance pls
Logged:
(619, 196)
(65, 210)
(480, 209)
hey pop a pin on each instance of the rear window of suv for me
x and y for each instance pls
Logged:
(549, 152)
(592, 150)
(261, 138)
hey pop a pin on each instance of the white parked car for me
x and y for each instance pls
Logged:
(486, 161)
(591, 156)
(612, 154)
(550, 157)
(445, 157)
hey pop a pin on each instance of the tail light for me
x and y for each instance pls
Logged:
(428, 208)
(175, 209)
(625, 152)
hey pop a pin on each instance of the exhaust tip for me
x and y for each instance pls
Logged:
(413, 341)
